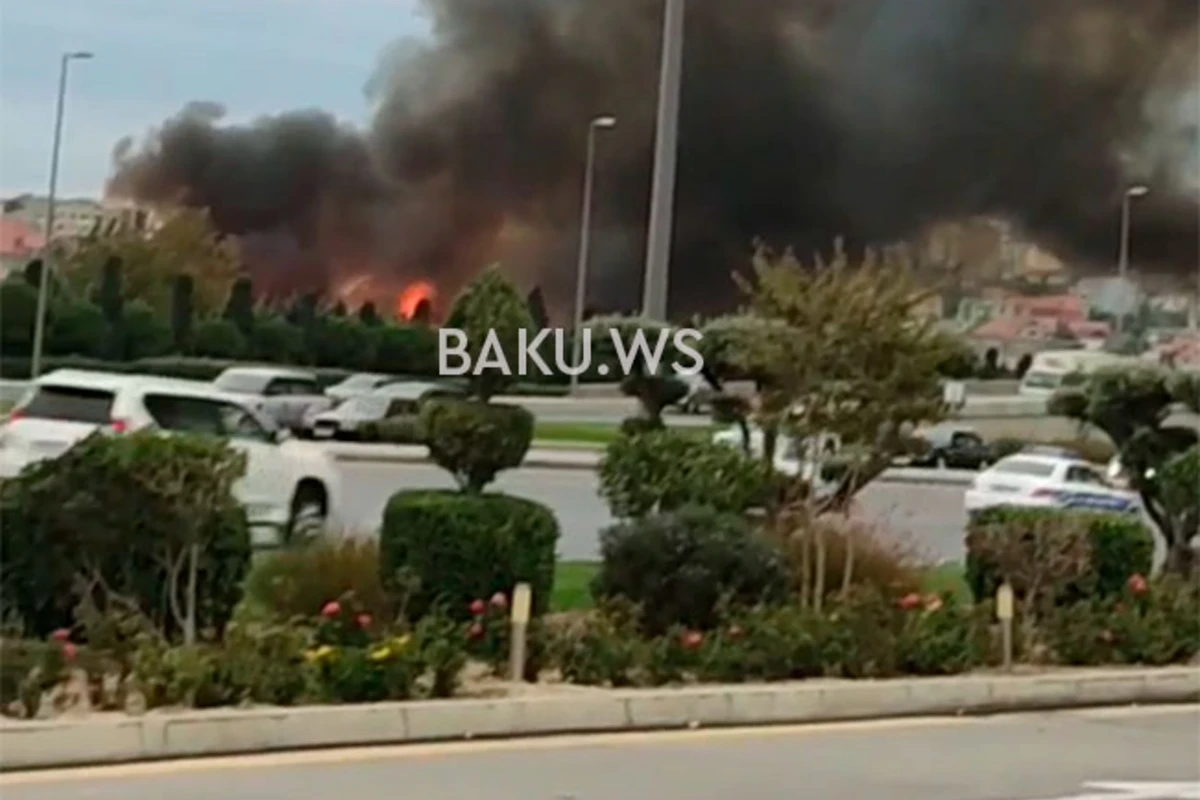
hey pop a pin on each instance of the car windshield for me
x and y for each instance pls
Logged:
(369, 406)
(1025, 466)
(1042, 380)
(239, 383)
(70, 404)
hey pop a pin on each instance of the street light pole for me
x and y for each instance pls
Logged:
(1123, 257)
(585, 233)
(39, 325)
(662, 197)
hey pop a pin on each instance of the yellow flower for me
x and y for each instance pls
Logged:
(320, 654)
(381, 654)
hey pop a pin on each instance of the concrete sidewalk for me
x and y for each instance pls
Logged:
(114, 738)
(589, 459)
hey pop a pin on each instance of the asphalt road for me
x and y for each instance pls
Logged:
(1027, 757)
(929, 517)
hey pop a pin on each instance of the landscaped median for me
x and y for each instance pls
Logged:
(540, 711)
(589, 459)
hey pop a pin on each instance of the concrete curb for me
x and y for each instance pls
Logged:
(589, 459)
(107, 740)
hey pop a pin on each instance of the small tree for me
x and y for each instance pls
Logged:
(183, 309)
(836, 349)
(240, 308)
(492, 314)
(537, 308)
(368, 315)
(1134, 407)
(111, 299)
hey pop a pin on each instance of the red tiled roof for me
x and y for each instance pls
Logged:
(18, 239)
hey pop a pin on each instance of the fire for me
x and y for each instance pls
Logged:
(412, 296)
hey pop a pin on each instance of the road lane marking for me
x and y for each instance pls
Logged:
(462, 747)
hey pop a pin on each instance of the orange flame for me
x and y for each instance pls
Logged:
(412, 296)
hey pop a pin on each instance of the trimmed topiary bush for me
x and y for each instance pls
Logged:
(1118, 546)
(459, 547)
(474, 441)
(662, 470)
(679, 567)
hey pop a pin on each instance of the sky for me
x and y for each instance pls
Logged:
(254, 57)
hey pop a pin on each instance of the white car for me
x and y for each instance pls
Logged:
(392, 400)
(1047, 479)
(286, 396)
(357, 385)
(287, 482)
(790, 458)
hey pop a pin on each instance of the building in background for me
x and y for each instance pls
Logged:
(19, 243)
(76, 218)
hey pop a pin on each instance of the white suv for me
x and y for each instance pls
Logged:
(287, 482)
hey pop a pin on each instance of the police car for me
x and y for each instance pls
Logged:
(1048, 478)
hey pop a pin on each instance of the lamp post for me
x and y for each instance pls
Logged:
(666, 145)
(1123, 257)
(39, 326)
(585, 234)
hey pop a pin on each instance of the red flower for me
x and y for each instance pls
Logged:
(475, 632)
(364, 620)
(692, 639)
(735, 632)
(1136, 584)
(69, 652)
(331, 609)
(499, 601)
(61, 635)
(910, 601)
(477, 608)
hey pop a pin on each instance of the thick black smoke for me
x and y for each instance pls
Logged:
(802, 121)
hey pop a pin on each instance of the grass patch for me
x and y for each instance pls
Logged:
(572, 585)
(949, 577)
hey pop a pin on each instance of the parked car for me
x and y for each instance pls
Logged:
(391, 400)
(287, 482)
(953, 447)
(358, 384)
(285, 396)
(1047, 478)
(793, 456)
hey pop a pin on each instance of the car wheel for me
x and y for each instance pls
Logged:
(309, 513)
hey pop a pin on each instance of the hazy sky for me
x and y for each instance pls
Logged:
(153, 56)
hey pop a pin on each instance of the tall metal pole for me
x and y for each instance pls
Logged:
(585, 232)
(662, 198)
(1123, 257)
(39, 326)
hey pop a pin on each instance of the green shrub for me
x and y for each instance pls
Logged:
(459, 547)
(115, 516)
(78, 328)
(474, 441)
(402, 429)
(1153, 623)
(1117, 546)
(679, 567)
(406, 350)
(491, 313)
(664, 470)
(218, 338)
(298, 582)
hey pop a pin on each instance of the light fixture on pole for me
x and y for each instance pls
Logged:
(666, 146)
(39, 325)
(1123, 257)
(585, 232)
